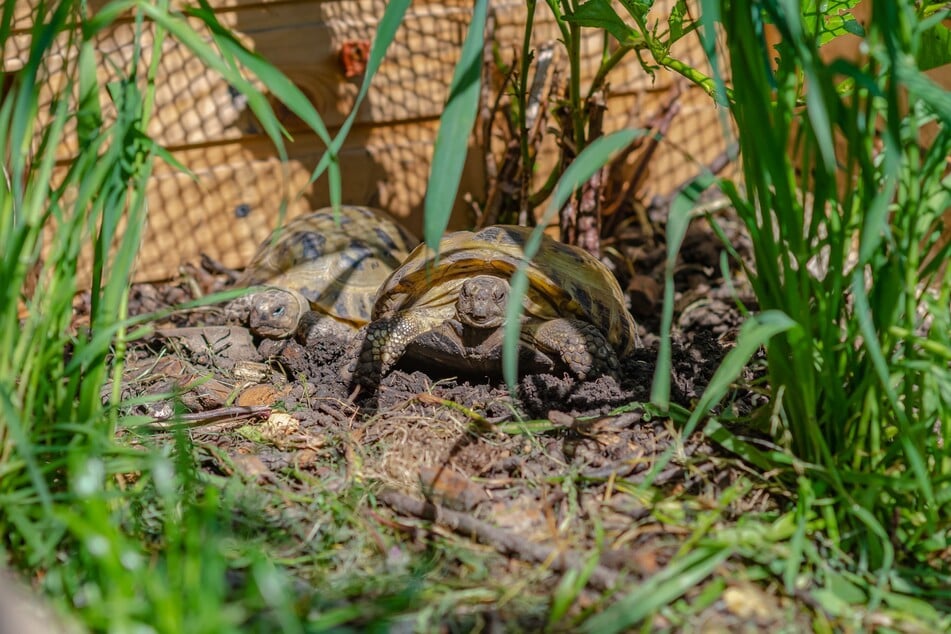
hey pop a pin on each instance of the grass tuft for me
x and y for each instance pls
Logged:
(843, 196)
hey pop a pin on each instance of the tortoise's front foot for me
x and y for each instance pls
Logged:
(581, 347)
(377, 348)
(351, 360)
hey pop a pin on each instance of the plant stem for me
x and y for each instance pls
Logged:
(608, 64)
(703, 81)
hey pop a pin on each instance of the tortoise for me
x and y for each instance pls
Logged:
(321, 271)
(448, 312)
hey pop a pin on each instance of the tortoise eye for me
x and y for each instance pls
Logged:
(499, 294)
(277, 312)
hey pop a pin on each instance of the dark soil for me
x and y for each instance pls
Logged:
(540, 466)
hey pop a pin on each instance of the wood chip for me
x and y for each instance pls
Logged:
(454, 490)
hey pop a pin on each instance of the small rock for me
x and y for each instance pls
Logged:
(278, 427)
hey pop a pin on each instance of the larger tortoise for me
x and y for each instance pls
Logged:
(447, 312)
(325, 267)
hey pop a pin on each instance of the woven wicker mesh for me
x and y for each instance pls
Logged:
(239, 185)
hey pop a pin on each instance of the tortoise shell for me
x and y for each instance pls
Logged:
(335, 261)
(564, 281)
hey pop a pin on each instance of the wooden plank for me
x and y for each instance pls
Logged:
(193, 105)
(236, 201)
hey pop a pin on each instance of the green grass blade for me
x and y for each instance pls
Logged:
(455, 126)
(257, 102)
(755, 333)
(659, 590)
(385, 34)
(677, 221)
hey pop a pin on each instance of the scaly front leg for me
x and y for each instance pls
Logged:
(382, 345)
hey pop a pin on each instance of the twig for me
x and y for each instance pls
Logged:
(504, 541)
(480, 422)
(488, 113)
(198, 419)
(214, 266)
(533, 130)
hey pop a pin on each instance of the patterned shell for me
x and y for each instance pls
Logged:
(564, 281)
(337, 263)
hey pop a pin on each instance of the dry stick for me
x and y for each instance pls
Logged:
(489, 212)
(534, 119)
(567, 215)
(212, 265)
(197, 419)
(504, 541)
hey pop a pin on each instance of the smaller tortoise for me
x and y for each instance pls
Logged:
(321, 272)
(447, 313)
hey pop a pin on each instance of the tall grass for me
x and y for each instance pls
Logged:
(125, 552)
(50, 376)
(844, 199)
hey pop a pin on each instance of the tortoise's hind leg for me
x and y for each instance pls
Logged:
(579, 345)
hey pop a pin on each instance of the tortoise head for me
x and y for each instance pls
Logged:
(481, 302)
(276, 312)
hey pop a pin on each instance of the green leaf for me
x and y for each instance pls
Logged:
(198, 45)
(923, 88)
(385, 33)
(455, 125)
(854, 27)
(600, 14)
(676, 21)
(935, 47)
(89, 114)
(637, 8)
